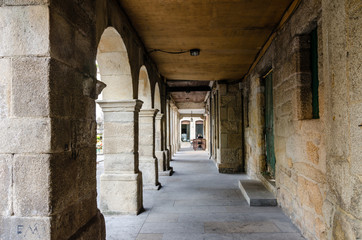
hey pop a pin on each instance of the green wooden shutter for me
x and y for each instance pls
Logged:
(269, 124)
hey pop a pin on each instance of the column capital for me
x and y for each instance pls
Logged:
(148, 112)
(159, 116)
(133, 105)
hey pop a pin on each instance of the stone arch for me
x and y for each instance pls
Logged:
(121, 179)
(157, 98)
(114, 67)
(144, 89)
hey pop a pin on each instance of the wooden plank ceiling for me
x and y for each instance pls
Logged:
(229, 33)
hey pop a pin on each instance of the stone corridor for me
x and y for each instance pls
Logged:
(198, 203)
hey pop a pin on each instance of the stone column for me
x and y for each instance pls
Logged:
(121, 182)
(48, 127)
(166, 151)
(168, 132)
(148, 161)
(229, 155)
(163, 169)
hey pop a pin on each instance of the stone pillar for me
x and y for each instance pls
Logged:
(229, 155)
(121, 183)
(168, 132)
(148, 161)
(158, 143)
(161, 155)
(48, 127)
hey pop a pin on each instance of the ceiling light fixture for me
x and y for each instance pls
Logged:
(195, 52)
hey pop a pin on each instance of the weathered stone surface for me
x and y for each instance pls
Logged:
(27, 168)
(5, 87)
(119, 162)
(24, 30)
(19, 131)
(6, 174)
(343, 228)
(310, 194)
(149, 168)
(356, 137)
(121, 193)
(32, 228)
(25, 2)
(160, 155)
(30, 87)
(94, 229)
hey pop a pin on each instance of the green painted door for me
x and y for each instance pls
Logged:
(269, 124)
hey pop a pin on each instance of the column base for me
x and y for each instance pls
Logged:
(166, 173)
(161, 160)
(149, 167)
(121, 193)
(152, 187)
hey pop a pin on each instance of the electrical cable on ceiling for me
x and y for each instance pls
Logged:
(193, 52)
(170, 52)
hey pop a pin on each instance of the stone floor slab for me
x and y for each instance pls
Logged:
(197, 236)
(149, 236)
(268, 236)
(198, 203)
(159, 217)
(240, 227)
(172, 228)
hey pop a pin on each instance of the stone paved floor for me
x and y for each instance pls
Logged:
(198, 203)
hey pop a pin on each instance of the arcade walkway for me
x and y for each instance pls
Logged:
(198, 203)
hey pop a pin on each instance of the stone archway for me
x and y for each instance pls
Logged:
(148, 160)
(114, 67)
(121, 182)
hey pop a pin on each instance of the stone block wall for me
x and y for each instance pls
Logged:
(317, 160)
(229, 153)
(342, 58)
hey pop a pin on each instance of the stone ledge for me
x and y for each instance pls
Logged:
(256, 194)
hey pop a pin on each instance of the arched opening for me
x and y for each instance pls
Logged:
(148, 163)
(185, 131)
(144, 89)
(157, 98)
(114, 67)
(199, 128)
(118, 176)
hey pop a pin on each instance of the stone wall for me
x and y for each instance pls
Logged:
(317, 176)
(229, 153)
(341, 21)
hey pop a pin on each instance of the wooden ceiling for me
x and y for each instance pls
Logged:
(229, 33)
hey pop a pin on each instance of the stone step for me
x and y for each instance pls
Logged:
(256, 194)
